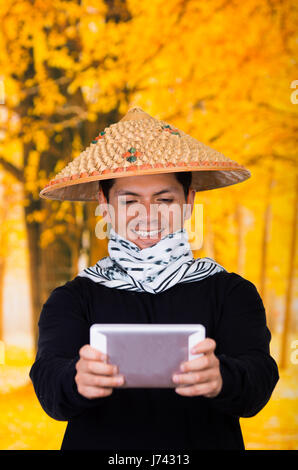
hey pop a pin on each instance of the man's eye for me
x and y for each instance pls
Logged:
(160, 200)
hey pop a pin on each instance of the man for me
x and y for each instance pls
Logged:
(150, 276)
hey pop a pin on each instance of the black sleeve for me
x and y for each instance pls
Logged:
(248, 371)
(63, 330)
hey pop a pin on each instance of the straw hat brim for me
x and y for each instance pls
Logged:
(86, 189)
(140, 144)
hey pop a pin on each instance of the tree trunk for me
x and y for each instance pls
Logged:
(266, 234)
(35, 282)
(290, 285)
(239, 215)
(98, 246)
(2, 273)
(208, 236)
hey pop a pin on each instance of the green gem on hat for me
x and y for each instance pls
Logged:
(131, 159)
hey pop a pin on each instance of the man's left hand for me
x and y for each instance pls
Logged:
(201, 376)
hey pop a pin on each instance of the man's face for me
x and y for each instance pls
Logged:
(146, 208)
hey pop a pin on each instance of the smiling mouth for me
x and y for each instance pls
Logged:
(147, 234)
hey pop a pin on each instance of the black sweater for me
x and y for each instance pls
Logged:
(232, 311)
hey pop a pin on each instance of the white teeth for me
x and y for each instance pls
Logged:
(147, 234)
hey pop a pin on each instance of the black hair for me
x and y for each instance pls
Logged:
(183, 177)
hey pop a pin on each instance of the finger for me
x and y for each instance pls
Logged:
(196, 377)
(206, 346)
(94, 392)
(204, 362)
(89, 353)
(205, 389)
(101, 380)
(96, 367)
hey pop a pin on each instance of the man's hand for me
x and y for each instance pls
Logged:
(202, 375)
(95, 377)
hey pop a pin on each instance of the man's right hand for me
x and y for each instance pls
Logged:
(95, 377)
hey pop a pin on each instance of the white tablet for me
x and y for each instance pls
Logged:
(147, 354)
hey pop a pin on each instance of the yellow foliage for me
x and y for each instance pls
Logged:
(37, 216)
(47, 237)
(59, 165)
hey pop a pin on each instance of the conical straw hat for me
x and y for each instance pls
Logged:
(140, 144)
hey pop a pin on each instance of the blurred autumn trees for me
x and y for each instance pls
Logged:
(219, 70)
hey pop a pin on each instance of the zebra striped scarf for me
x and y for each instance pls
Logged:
(153, 269)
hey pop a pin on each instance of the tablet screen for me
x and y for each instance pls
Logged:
(147, 354)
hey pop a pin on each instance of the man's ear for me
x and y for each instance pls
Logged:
(103, 205)
(100, 197)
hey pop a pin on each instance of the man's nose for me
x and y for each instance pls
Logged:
(150, 208)
(149, 213)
